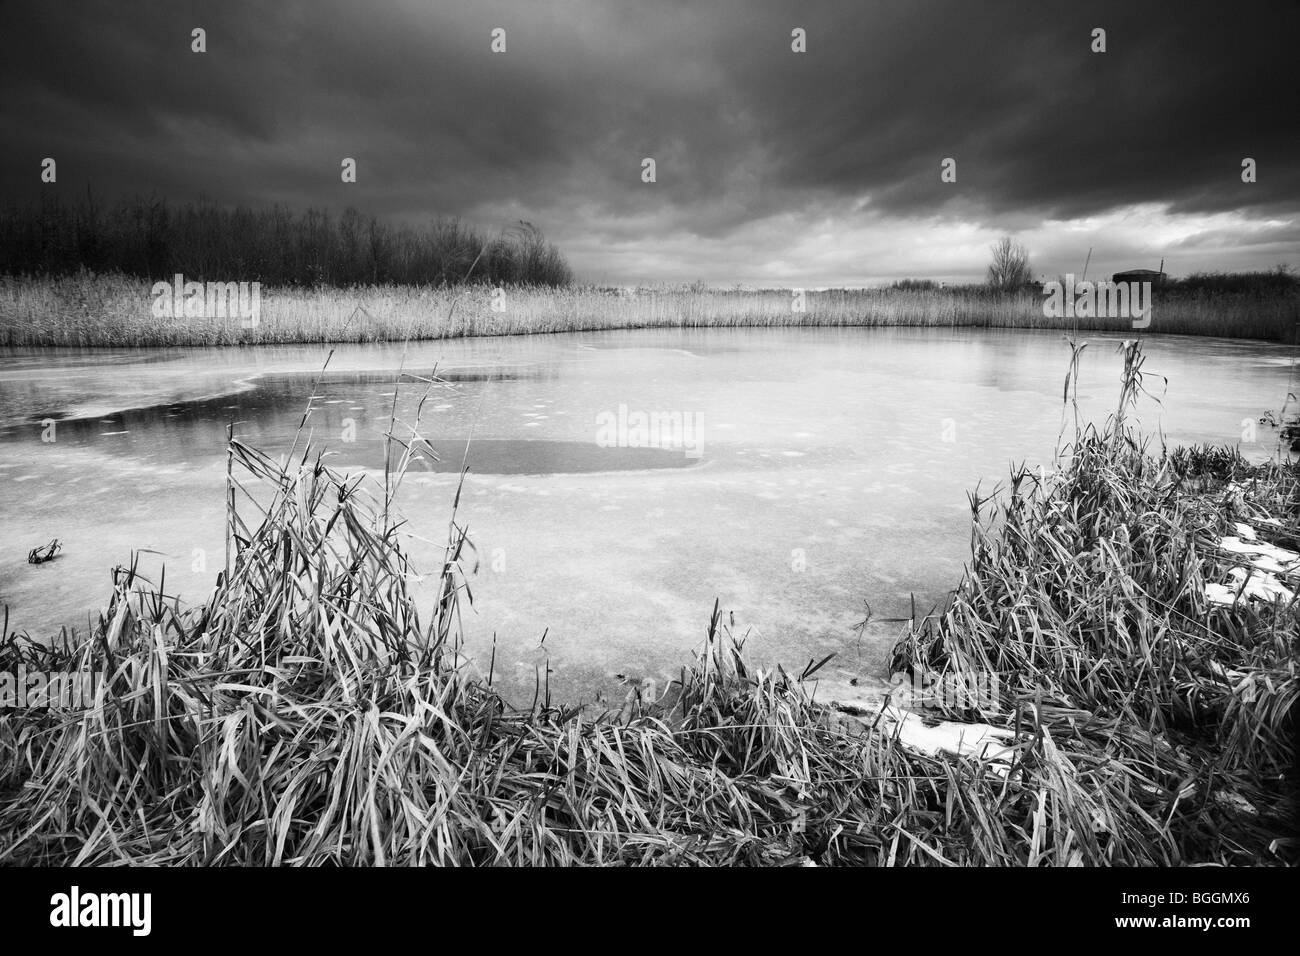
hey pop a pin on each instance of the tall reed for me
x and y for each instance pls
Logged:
(115, 311)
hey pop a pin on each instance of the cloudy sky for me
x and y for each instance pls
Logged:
(774, 168)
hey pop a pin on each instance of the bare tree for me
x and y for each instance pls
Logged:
(1010, 266)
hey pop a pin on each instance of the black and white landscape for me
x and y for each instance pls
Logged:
(739, 433)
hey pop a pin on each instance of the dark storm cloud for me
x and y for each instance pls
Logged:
(1035, 120)
(744, 132)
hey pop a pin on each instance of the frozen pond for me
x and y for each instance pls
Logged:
(794, 473)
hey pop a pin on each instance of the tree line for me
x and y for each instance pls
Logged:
(151, 239)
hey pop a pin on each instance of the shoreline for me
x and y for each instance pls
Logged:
(114, 311)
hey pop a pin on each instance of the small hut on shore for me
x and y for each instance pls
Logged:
(1154, 276)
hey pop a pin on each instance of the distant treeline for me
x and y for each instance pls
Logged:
(1265, 285)
(152, 239)
(1271, 284)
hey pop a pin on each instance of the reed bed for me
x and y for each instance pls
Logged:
(310, 713)
(87, 310)
(1173, 718)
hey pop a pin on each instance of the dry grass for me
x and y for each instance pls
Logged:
(310, 713)
(1086, 596)
(115, 311)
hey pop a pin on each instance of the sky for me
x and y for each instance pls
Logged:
(772, 167)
